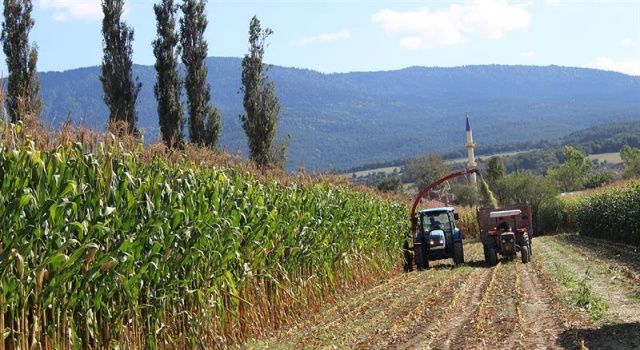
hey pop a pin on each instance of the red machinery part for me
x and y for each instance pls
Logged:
(414, 223)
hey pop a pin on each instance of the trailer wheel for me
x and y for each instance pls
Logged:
(492, 256)
(524, 254)
(458, 253)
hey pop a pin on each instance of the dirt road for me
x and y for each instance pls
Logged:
(576, 293)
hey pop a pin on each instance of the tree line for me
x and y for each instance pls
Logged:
(180, 37)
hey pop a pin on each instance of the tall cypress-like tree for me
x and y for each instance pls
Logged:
(120, 88)
(261, 103)
(23, 88)
(167, 88)
(204, 118)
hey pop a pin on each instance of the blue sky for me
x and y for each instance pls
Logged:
(358, 35)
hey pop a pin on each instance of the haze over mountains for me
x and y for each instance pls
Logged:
(350, 119)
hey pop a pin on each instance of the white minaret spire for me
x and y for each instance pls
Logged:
(470, 151)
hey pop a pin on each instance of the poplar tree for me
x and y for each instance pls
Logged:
(204, 118)
(120, 88)
(167, 88)
(261, 104)
(23, 85)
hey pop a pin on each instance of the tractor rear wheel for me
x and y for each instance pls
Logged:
(524, 254)
(420, 256)
(458, 253)
(492, 256)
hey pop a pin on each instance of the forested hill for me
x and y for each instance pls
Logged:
(350, 119)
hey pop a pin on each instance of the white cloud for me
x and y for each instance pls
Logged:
(67, 10)
(631, 67)
(428, 28)
(552, 2)
(342, 35)
(629, 43)
(528, 54)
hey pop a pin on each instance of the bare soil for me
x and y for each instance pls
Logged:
(509, 306)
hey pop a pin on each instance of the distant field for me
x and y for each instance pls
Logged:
(611, 158)
(503, 154)
(389, 170)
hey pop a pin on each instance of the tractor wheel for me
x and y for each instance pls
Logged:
(492, 256)
(458, 253)
(408, 259)
(485, 248)
(420, 256)
(524, 254)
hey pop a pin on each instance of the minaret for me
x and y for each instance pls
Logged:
(471, 156)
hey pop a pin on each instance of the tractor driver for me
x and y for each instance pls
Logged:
(435, 225)
(504, 226)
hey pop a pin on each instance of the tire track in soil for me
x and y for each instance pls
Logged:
(365, 319)
(378, 317)
(509, 306)
(343, 309)
(542, 321)
(474, 322)
(458, 318)
(412, 319)
(358, 307)
(497, 320)
(546, 316)
(409, 318)
(409, 333)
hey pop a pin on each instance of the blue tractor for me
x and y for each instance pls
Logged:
(437, 237)
(434, 234)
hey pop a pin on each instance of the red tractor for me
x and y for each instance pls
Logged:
(505, 231)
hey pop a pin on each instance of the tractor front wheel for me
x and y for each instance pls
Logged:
(458, 253)
(408, 259)
(420, 256)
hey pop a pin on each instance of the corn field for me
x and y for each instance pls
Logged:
(102, 251)
(611, 213)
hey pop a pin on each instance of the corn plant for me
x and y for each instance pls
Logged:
(101, 250)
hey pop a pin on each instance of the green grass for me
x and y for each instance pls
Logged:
(611, 158)
(581, 293)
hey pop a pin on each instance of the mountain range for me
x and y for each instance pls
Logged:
(343, 120)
